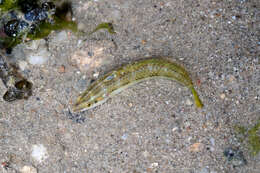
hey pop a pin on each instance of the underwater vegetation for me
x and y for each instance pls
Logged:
(251, 136)
(26, 20)
(108, 26)
(23, 20)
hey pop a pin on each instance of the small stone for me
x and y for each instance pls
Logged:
(222, 96)
(124, 136)
(212, 141)
(196, 147)
(204, 170)
(154, 165)
(174, 129)
(235, 156)
(144, 41)
(146, 154)
(60, 37)
(81, 26)
(39, 58)
(95, 75)
(84, 77)
(130, 105)
(231, 78)
(62, 69)
(23, 65)
(28, 169)
(39, 153)
(188, 102)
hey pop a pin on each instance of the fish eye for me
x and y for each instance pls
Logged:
(89, 105)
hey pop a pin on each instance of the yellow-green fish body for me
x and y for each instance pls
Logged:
(116, 81)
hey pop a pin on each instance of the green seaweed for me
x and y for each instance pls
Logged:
(108, 26)
(8, 4)
(42, 31)
(251, 135)
(254, 138)
(45, 28)
(240, 130)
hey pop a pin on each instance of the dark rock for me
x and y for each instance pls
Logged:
(235, 156)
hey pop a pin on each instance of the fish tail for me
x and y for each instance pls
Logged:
(196, 98)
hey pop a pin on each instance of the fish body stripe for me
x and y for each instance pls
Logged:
(116, 81)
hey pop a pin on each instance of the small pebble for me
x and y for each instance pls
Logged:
(222, 96)
(95, 75)
(235, 156)
(61, 37)
(81, 26)
(130, 105)
(39, 58)
(231, 78)
(174, 129)
(39, 153)
(124, 136)
(143, 41)
(146, 154)
(154, 165)
(62, 69)
(28, 169)
(204, 170)
(23, 65)
(196, 147)
(188, 102)
(212, 141)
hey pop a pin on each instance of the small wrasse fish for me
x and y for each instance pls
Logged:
(116, 81)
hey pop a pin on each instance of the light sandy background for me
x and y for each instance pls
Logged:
(153, 126)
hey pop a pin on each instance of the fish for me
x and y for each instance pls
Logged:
(126, 76)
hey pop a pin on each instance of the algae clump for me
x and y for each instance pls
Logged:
(254, 138)
(251, 135)
(37, 22)
(108, 26)
(6, 5)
